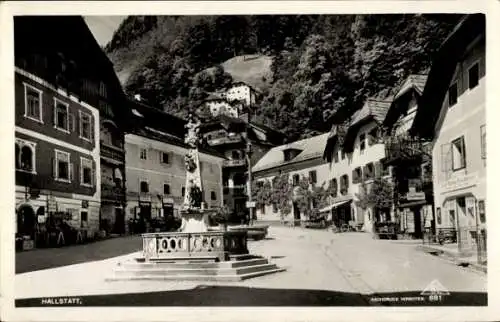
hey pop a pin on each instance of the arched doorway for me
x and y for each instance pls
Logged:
(26, 220)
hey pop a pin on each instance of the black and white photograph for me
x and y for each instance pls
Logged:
(330, 160)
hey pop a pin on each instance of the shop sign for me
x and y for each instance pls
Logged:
(145, 198)
(461, 182)
(168, 201)
(413, 196)
(250, 204)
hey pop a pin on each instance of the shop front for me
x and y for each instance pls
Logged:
(340, 213)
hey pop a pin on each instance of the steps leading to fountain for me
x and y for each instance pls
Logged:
(238, 268)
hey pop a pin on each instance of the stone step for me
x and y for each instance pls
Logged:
(242, 257)
(221, 278)
(193, 271)
(175, 265)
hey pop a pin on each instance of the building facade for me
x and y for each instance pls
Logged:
(57, 118)
(299, 160)
(356, 155)
(155, 168)
(410, 158)
(454, 99)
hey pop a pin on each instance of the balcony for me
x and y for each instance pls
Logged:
(405, 148)
(234, 163)
(112, 152)
(112, 193)
(225, 140)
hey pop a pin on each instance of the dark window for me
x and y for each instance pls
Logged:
(85, 126)
(62, 116)
(357, 175)
(369, 171)
(474, 76)
(18, 157)
(183, 191)
(362, 139)
(296, 179)
(452, 95)
(373, 136)
(312, 177)
(83, 216)
(164, 158)
(33, 102)
(87, 175)
(336, 156)
(235, 155)
(458, 153)
(166, 189)
(213, 196)
(275, 207)
(26, 158)
(144, 187)
(343, 154)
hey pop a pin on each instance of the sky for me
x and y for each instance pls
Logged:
(103, 27)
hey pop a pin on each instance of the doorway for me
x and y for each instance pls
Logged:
(26, 220)
(119, 221)
(417, 219)
(296, 214)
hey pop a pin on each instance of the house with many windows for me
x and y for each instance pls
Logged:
(56, 126)
(355, 155)
(410, 158)
(452, 114)
(155, 167)
(301, 161)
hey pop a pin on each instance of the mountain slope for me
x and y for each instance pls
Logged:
(307, 66)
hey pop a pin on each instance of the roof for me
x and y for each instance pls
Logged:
(415, 82)
(311, 148)
(158, 125)
(441, 73)
(373, 109)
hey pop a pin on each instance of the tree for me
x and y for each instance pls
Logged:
(282, 194)
(377, 195)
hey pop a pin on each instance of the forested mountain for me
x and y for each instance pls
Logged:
(320, 63)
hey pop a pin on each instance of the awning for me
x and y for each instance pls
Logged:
(334, 205)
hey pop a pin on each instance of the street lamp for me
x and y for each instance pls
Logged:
(249, 184)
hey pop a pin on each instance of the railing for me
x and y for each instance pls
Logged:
(404, 148)
(234, 163)
(112, 192)
(217, 244)
(114, 153)
(224, 140)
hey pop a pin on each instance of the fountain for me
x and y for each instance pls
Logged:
(195, 252)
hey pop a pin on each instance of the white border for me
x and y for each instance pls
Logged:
(7, 9)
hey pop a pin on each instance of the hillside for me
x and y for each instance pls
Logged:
(306, 66)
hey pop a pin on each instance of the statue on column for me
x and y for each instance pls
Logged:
(194, 194)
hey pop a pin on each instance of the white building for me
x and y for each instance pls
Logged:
(298, 159)
(355, 152)
(453, 114)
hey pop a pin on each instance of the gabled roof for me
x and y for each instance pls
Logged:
(443, 67)
(372, 110)
(415, 83)
(311, 148)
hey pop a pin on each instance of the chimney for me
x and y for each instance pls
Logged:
(138, 97)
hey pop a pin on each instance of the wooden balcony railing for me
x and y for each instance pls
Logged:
(112, 152)
(113, 193)
(405, 148)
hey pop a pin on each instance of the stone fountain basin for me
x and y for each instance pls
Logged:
(255, 232)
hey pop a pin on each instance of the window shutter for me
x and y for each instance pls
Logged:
(91, 128)
(446, 158)
(54, 168)
(81, 171)
(93, 178)
(54, 116)
(71, 172)
(464, 155)
(71, 124)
